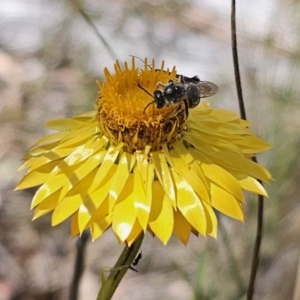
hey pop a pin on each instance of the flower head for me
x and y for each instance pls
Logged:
(158, 170)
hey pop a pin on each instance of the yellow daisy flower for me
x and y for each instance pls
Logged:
(158, 170)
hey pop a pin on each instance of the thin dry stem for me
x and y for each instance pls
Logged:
(260, 212)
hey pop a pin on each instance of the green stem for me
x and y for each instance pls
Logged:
(125, 260)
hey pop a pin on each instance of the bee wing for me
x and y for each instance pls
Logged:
(187, 80)
(207, 89)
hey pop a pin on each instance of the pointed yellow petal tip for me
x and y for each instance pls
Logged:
(213, 235)
(135, 164)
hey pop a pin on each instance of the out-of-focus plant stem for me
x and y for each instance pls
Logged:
(110, 51)
(260, 212)
(79, 264)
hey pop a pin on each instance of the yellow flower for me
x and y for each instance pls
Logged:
(159, 170)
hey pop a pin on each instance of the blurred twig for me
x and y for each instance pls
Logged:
(297, 283)
(111, 52)
(79, 264)
(260, 212)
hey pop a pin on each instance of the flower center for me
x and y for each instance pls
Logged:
(121, 108)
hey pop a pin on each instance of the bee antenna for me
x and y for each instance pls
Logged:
(144, 110)
(140, 60)
(137, 58)
(144, 90)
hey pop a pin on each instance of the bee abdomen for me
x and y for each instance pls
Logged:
(193, 95)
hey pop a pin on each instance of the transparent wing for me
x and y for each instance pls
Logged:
(207, 89)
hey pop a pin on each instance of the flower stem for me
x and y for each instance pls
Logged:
(125, 260)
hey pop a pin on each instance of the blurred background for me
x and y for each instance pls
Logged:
(49, 61)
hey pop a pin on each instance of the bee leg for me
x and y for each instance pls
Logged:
(178, 109)
(160, 84)
(186, 105)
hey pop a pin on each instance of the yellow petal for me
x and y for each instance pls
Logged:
(37, 177)
(252, 144)
(74, 225)
(168, 185)
(88, 116)
(190, 160)
(142, 165)
(226, 203)
(167, 155)
(190, 177)
(42, 149)
(51, 154)
(84, 218)
(216, 142)
(48, 188)
(28, 162)
(96, 198)
(107, 163)
(232, 130)
(211, 130)
(33, 163)
(142, 203)
(231, 161)
(82, 136)
(49, 139)
(182, 227)
(83, 185)
(226, 116)
(120, 177)
(164, 176)
(63, 124)
(134, 234)
(67, 207)
(101, 220)
(249, 167)
(250, 184)
(82, 178)
(211, 219)
(83, 152)
(124, 215)
(189, 204)
(161, 220)
(66, 181)
(223, 178)
(46, 206)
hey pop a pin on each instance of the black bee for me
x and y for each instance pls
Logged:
(188, 90)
